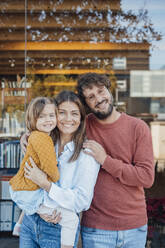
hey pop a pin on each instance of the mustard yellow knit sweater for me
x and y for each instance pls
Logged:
(41, 148)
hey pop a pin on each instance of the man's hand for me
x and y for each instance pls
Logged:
(24, 141)
(54, 218)
(36, 175)
(96, 150)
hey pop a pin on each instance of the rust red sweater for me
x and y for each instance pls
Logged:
(119, 201)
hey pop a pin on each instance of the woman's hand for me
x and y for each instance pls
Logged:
(96, 150)
(54, 218)
(36, 175)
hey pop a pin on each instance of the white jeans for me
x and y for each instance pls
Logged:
(69, 223)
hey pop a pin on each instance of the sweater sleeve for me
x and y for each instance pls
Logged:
(44, 148)
(140, 172)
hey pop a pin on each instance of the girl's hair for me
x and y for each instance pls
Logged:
(79, 135)
(34, 110)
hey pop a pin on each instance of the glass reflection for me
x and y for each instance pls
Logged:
(49, 43)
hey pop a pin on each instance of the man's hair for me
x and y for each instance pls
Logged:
(87, 80)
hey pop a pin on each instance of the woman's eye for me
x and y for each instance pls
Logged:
(91, 98)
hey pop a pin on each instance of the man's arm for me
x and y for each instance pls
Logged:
(24, 142)
(140, 172)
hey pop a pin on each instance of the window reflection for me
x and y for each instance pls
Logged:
(49, 43)
(46, 45)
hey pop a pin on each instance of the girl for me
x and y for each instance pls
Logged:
(78, 174)
(40, 121)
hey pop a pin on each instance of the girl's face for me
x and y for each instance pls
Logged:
(47, 121)
(68, 118)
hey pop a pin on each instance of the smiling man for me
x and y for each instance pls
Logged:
(122, 145)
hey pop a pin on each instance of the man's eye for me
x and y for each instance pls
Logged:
(52, 115)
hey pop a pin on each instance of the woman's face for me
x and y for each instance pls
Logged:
(68, 118)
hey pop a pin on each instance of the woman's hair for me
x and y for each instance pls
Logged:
(34, 110)
(79, 135)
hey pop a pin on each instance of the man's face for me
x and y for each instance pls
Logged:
(99, 100)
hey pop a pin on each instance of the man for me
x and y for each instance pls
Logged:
(122, 145)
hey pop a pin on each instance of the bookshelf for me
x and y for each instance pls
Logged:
(9, 212)
(12, 124)
(10, 159)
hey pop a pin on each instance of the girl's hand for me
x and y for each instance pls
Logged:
(54, 218)
(36, 175)
(96, 150)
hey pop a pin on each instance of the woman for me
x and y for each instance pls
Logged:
(78, 174)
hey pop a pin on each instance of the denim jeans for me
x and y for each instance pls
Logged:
(97, 238)
(36, 233)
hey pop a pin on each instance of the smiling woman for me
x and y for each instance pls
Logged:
(74, 190)
(68, 119)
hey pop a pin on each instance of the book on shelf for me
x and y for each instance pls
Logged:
(4, 192)
(10, 154)
(9, 215)
(6, 208)
(9, 211)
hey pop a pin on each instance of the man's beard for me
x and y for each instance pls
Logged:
(103, 115)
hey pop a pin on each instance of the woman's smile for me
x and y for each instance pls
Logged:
(69, 117)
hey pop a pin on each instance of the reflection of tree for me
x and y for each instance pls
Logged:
(73, 22)
(44, 85)
(113, 81)
(87, 21)
(92, 22)
(38, 87)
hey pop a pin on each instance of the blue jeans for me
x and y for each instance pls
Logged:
(97, 238)
(36, 233)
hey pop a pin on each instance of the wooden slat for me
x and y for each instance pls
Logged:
(56, 71)
(6, 55)
(57, 20)
(74, 71)
(71, 46)
(60, 84)
(55, 34)
(67, 5)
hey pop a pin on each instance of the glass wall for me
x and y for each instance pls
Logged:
(46, 45)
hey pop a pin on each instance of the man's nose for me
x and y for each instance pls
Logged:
(98, 98)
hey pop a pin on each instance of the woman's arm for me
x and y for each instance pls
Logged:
(36, 175)
(76, 198)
